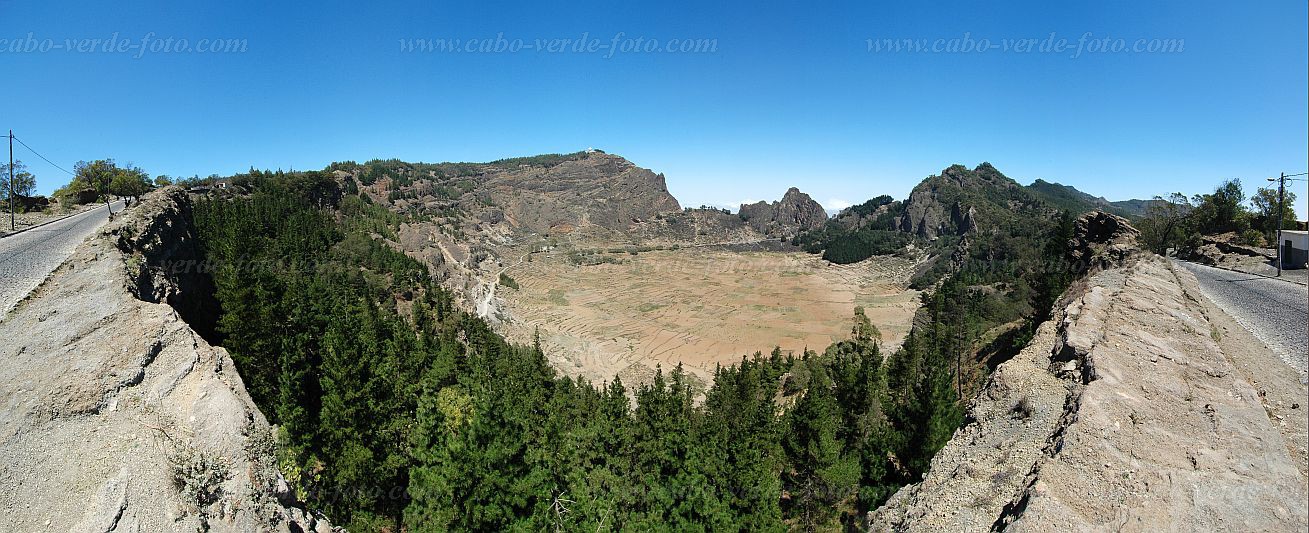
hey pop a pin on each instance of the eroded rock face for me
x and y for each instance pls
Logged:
(599, 189)
(117, 415)
(1123, 412)
(166, 264)
(922, 216)
(1101, 240)
(796, 212)
(1224, 251)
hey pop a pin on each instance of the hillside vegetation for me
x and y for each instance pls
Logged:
(398, 410)
(1180, 224)
(998, 260)
(1068, 198)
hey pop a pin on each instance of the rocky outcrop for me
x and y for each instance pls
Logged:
(949, 204)
(84, 196)
(1124, 412)
(161, 245)
(1101, 240)
(27, 204)
(796, 212)
(1223, 250)
(598, 189)
(863, 215)
(117, 415)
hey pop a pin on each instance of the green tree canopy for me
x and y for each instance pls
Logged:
(1265, 201)
(131, 182)
(23, 184)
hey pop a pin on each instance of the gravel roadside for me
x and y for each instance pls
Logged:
(1275, 311)
(25, 221)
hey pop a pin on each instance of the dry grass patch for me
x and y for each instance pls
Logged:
(699, 307)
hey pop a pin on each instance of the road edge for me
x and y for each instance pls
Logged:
(1278, 383)
(65, 217)
(1242, 272)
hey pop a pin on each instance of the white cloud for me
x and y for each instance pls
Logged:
(837, 204)
(731, 206)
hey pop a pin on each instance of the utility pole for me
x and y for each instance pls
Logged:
(108, 181)
(11, 180)
(1281, 195)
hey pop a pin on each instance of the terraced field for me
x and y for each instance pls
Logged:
(700, 307)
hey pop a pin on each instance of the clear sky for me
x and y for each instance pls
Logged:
(790, 94)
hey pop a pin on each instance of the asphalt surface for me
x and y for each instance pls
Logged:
(27, 258)
(1275, 311)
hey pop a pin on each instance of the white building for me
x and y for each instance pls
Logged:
(1295, 248)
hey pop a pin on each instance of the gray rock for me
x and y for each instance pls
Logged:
(599, 189)
(1101, 240)
(796, 212)
(948, 204)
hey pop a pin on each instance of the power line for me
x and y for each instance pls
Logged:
(38, 154)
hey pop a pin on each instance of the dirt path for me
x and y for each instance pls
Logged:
(486, 306)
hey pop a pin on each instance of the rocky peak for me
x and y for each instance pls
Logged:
(796, 212)
(956, 201)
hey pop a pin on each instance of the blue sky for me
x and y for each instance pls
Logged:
(791, 95)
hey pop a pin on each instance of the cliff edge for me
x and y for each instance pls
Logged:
(116, 415)
(1127, 411)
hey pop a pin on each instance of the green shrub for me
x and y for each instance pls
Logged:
(508, 281)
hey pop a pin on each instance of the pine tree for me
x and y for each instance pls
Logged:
(820, 475)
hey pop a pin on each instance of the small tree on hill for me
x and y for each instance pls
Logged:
(130, 182)
(1266, 205)
(24, 183)
(1164, 224)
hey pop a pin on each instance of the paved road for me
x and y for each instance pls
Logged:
(27, 258)
(1276, 311)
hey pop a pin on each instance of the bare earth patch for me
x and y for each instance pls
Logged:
(699, 307)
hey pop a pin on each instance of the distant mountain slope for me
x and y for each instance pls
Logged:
(959, 200)
(552, 193)
(596, 188)
(1134, 208)
(1069, 198)
(939, 213)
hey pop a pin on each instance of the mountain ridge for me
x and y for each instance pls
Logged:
(1073, 199)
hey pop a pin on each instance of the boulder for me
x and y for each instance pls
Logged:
(28, 204)
(1101, 240)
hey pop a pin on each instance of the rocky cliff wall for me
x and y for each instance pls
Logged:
(1126, 412)
(116, 414)
(600, 189)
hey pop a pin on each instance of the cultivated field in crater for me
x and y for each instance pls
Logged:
(698, 306)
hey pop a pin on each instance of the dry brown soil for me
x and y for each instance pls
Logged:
(698, 306)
